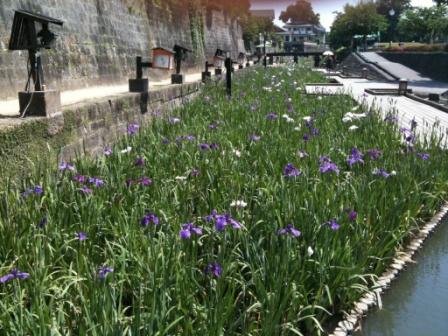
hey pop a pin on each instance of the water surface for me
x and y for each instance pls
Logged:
(417, 302)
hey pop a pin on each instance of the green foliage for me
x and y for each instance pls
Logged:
(271, 284)
(301, 12)
(424, 24)
(253, 26)
(197, 27)
(384, 7)
(360, 19)
(31, 145)
(441, 2)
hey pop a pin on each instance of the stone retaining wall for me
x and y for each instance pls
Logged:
(429, 64)
(101, 38)
(81, 128)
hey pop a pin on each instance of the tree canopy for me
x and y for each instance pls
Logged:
(391, 10)
(301, 11)
(441, 2)
(360, 19)
(424, 24)
(253, 26)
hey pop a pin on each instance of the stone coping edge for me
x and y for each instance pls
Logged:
(352, 319)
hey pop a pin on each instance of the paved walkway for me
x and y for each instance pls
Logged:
(428, 118)
(419, 83)
(10, 108)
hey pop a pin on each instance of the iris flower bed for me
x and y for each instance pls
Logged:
(268, 213)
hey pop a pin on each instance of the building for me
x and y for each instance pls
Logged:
(297, 36)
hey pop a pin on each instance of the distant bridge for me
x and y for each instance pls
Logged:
(297, 53)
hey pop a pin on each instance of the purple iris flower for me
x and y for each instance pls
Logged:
(15, 274)
(254, 138)
(221, 221)
(408, 134)
(306, 137)
(289, 229)
(327, 166)
(212, 216)
(165, 141)
(423, 156)
(204, 146)
(291, 171)
(391, 118)
(66, 166)
(213, 126)
(81, 236)
(189, 229)
(148, 219)
(129, 182)
(42, 222)
(133, 128)
(333, 225)
(355, 157)
(80, 178)
(96, 181)
(314, 131)
(214, 269)
(271, 116)
(39, 191)
(352, 215)
(381, 172)
(374, 154)
(103, 270)
(145, 181)
(139, 162)
(85, 190)
(107, 151)
(214, 146)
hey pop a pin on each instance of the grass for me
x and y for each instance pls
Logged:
(270, 284)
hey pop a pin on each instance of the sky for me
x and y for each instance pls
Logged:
(324, 7)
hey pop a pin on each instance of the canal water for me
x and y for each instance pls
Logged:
(416, 304)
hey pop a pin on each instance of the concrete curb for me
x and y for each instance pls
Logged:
(352, 319)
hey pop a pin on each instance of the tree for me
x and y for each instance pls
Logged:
(361, 19)
(253, 26)
(424, 24)
(441, 2)
(301, 11)
(391, 10)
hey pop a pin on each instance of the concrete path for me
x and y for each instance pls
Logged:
(418, 82)
(10, 108)
(428, 118)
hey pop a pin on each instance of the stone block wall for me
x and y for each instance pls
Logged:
(84, 128)
(429, 64)
(100, 38)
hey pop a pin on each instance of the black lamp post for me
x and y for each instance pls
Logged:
(180, 54)
(229, 68)
(25, 36)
